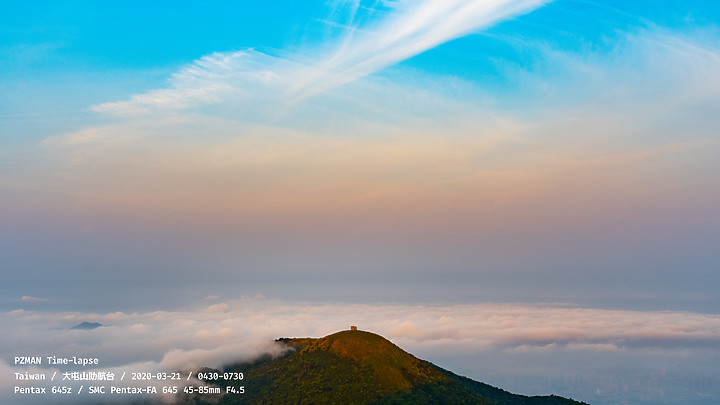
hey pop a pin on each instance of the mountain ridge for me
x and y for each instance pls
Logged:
(359, 367)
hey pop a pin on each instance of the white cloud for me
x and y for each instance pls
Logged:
(248, 78)
(496, 336)
(27, 298)
(473, 326)
(411, 28)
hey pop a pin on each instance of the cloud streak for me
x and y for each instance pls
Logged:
(27, 298)
(409, 28)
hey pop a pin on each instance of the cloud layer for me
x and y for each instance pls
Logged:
(495, 335)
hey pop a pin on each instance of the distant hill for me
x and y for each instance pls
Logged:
(87, 326)
(357, 367)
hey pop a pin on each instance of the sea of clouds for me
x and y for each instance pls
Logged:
(596, 355)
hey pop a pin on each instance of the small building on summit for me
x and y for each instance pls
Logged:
(353, 327)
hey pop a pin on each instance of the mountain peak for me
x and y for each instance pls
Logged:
(87, 326)
(359, 367)
(393, 368)
(358, 345)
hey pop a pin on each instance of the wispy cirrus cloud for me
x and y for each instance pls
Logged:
(406, 29)
(409, 29)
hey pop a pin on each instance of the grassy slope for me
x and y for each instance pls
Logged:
(357, 367)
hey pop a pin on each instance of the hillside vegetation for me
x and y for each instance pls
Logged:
(358, 367)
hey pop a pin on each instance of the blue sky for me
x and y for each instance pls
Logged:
(251, 124)
(60, 57)
(457, 151)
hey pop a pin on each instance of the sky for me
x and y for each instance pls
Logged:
(427, 154)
